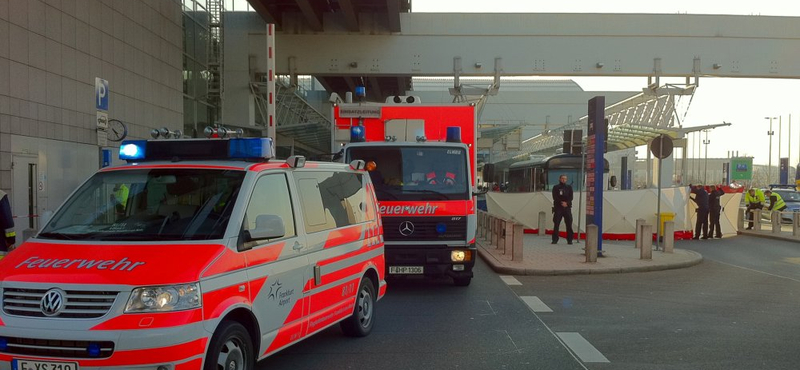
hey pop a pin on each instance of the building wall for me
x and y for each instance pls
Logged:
(50, 54)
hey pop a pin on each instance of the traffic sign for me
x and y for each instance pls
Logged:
(661, 146)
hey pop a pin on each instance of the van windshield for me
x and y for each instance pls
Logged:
(148, 204)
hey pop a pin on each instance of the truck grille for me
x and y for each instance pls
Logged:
(425, 228)
(78, 304)
(57, 348)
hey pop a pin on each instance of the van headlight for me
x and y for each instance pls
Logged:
(164, 298)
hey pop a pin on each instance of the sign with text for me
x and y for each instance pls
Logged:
(595, 165)
(360, 111)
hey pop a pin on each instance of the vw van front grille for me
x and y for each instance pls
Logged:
(78, 304)
(57, 348)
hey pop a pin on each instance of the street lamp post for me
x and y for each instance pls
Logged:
(769, 161)
(705, 164)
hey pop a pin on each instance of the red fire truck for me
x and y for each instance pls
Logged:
(421, 159)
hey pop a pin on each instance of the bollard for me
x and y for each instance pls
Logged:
(591, 243)
(740, 219)
(501, 236)
(508, 236)
(775, 218)
(638, 232)
(669, 236)
(542, 218)
(480, 224)
(647, 242)
(493, 231)
(516, 244)
(796, 223)
(757, 219)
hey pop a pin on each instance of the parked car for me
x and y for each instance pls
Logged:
(792, 200)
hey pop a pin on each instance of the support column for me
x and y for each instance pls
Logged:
(271, 124)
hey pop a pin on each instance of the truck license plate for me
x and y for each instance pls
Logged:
(43, 365)
(407, 270)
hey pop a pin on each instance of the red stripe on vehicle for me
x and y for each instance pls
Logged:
(297, 310)
(343, 236)
(382, 290)
(261, 255)
(151, 321)
(287, 335)
(218, 301)
(256, 285)
(268, 166)
(364, 249)
(322, 319)
(325, 299)
(195, 364)
(229, 261)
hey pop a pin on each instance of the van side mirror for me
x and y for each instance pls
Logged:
(480, 190)
(267, 227)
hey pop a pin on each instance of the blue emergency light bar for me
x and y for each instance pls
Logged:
(257, 149)
(358, 134)
(453, 134)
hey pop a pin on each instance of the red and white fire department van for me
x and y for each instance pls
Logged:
(198, 254)
(421, 158)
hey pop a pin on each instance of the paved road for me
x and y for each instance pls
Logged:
(435, 325)
(736, 310)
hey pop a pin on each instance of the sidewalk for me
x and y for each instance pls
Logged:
(542, 258)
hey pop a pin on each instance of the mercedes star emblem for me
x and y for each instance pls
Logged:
(52, 302)
(406, 228)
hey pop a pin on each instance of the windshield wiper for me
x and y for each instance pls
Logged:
(59, 236)
(139, 237)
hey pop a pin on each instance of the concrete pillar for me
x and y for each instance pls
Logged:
(669, 236)
(638, 232)
(508, 236)
(646, 252)
(775, 217)
(493, 232)
(516, 245)
(591, 243)
(757, 219)
(542, 223)
(796, 223)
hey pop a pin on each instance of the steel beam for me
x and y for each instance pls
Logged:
(260, 7)
(350, 15)
(703, 45)
(311, 13)
(393, 11)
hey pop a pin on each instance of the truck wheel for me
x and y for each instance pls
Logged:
(360, 323)
(230, 348)
(464, 281)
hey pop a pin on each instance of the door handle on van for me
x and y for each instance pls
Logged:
(297, 246)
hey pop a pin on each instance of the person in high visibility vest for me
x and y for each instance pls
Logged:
(9, 237)
(775, 201)
(754, 199)
(120, 197)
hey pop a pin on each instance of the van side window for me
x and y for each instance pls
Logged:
(332, 199)
(271, 197)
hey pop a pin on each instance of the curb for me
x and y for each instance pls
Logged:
(500, 267)
(768, 235)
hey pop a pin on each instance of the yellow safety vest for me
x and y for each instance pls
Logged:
(778, 204)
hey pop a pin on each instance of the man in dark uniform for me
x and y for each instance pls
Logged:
(9, 237)
(715, 207)
(562, 208)
(701, 199)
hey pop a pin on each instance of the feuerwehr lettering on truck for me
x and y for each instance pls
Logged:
(427, 209)
(64, 263)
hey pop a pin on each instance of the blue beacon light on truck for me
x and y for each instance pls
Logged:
(259, 147)
(358, 134)
(132, 150)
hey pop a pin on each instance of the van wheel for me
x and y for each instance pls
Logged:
(230, 348)
(462, 281)
(360, 323)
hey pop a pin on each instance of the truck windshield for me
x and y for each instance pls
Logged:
(416, 173)
(148, 204)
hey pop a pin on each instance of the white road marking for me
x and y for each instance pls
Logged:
(536, 304)
(582, 347)
(510, 280)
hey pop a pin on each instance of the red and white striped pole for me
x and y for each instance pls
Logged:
(271, 82)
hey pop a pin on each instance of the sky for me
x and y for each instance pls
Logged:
(742, 102)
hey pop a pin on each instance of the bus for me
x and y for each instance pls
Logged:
(542, 174)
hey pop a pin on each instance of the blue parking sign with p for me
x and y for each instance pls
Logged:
(101, 93)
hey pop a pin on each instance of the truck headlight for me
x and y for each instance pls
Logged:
(460, 256)
(164, 298)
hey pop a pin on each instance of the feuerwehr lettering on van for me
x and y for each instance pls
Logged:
(64, 263)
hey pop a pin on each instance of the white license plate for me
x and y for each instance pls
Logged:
(408, 270)
(43, 365)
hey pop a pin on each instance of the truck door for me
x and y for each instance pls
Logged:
(277, 268)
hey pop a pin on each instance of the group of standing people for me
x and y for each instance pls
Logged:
(708, 211)
(756, 199)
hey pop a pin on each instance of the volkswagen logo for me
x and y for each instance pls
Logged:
(406, 228)
(52, 302)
